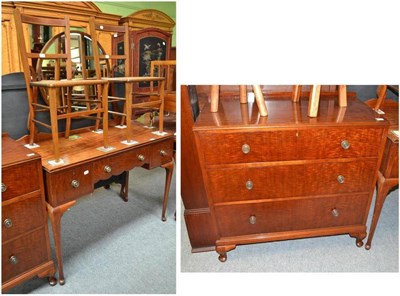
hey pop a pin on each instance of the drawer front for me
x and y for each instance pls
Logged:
(161, 153)
(290, 215)
(20, 179)
(23, 254)
(69, 184)
(115, 165)
(291, 180)
(339, 143)
(241, 147)
(22, 216)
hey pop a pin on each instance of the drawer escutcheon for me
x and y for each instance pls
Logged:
(252, 219)
(3, 187)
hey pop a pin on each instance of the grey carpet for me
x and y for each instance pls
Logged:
(323, 254)
(112, 246)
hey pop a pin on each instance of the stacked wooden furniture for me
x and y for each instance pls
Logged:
(288, 176)
(123, 59)
(58, 91)
(166, 69)
(25, 236)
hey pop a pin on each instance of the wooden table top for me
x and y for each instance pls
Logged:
(82, 147)
(13, 152)
(283, 112)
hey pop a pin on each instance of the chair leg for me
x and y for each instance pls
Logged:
(243, 94)
(262, 108)
(161, 115)
(214, 98)
(68, 119)
(296, 93)
(342, 95)
(54, 122)
(314, 100)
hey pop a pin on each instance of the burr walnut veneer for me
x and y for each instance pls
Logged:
(287, 175)
(25, 237)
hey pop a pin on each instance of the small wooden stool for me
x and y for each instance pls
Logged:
(243, 98)
(314, 97)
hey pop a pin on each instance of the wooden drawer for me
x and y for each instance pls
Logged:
(327, 143)
(115, 165)
(22, 216)
(161, 153)
(281, 145)
(30, 251)
(277, 181)
(69, 184)
(20, 179)
(289, 215)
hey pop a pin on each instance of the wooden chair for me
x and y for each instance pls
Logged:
(313, 102)
(56, 89)
(166, 69)
(121, 62)
(243, 98)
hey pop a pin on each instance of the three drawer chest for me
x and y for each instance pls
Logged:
(285, 176)
(25, 236)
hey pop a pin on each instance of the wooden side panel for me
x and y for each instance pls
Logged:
(192, 188)
(201, 229)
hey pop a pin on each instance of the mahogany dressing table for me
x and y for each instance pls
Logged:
(84, 166)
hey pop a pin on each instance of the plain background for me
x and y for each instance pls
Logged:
(286, 42)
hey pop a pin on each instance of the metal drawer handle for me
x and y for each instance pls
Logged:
(249, 185)
(3, 187)
(107, 169)
(345, 144)
(140, 157)
(340, 179)
(7, 223)
(245, 148)
(335, 213)
(13, 259)
(252, 219)
(75, 183)
(163, 153)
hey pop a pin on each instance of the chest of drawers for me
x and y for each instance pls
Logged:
(287, 176)
(25, 238)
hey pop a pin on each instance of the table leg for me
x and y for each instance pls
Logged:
(169, 168)
(124, 186)
(55, 215)
(384, 185)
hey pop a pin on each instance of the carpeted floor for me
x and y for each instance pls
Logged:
(110, 246)
(323, 254)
